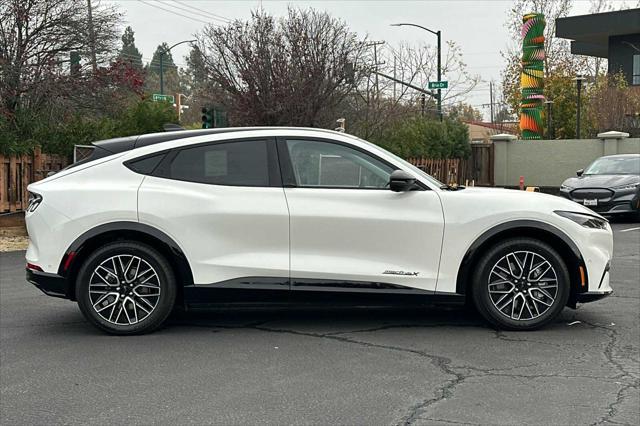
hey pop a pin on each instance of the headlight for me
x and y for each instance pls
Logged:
(586, 220)
(564, 187)
(629, 186)
(34, 201)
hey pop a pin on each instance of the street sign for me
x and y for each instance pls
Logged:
(159, 98)
(438, 84)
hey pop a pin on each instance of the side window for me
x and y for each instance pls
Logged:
(237, 163)
(146, 165)
(325, 164)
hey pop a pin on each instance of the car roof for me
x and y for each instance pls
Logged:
(117, 145)
(621, 156)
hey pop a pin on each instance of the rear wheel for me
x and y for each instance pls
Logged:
(521, 284)
(126, 288)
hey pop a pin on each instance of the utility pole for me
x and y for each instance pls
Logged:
(491, 100)
(164, 52)
(579, 79)
(375, 45)
(439, 35)
(92, 39)
(394, 76)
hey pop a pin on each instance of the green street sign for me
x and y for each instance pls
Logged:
(159, 98)
(438, 84)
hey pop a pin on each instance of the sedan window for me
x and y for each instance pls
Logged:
(237, 163)
(331, 165)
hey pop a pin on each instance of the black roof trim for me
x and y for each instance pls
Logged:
(128, 143)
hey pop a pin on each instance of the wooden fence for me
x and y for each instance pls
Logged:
(477, 169)
(16, 172)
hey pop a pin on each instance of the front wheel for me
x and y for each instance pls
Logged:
(126, 288)
(521, 284)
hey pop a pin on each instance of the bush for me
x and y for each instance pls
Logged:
(29, 129)
(420, 137)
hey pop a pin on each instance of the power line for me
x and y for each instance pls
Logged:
(171, 11)
(212, 15)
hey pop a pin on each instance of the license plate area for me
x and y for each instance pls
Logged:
(590, 202)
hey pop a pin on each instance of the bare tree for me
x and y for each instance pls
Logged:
(294, 70)
(36, 38)
(375, 107)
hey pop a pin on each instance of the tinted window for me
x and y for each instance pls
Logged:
(325, 164)
(240, 163)
(147, 165)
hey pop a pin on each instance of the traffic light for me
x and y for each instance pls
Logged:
(207, 118)
(74, 61)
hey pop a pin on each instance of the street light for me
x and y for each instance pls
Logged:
(438, 34)
(550, 132)
(162, 53)
(578, 79)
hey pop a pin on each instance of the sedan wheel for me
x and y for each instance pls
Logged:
(521, 284)
(126, 288)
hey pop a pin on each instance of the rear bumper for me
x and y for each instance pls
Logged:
(49, 284)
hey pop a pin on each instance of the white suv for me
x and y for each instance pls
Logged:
(289, 214)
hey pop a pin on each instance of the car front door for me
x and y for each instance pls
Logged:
(224, 204)
(348, 230)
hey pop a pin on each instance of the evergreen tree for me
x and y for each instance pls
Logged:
(167, 60)
(129, 52)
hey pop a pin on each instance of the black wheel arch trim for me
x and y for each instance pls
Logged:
(179, 258)
(508, 226)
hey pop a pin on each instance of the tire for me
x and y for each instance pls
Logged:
(540, 292)
(139, 306)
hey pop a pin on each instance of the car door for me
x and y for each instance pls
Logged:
(348, 230)
(224, 204)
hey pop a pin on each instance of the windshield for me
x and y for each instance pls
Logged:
(614, 166)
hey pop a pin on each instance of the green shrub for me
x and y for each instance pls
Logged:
(58, 135)
(419, 137)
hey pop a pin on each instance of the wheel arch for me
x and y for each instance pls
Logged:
(545, 232)
(86, 243)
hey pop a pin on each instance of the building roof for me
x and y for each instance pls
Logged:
(590, 33)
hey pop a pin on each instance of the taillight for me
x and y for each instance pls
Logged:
(34, 201)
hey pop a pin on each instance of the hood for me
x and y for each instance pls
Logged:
(601, 181)
(512, 199)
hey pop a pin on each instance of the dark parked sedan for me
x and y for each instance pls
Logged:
(609, 186)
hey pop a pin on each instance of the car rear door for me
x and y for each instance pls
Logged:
(348, 230)
(224, 204)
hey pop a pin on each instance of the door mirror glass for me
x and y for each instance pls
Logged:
(400, 181)
(579, 172)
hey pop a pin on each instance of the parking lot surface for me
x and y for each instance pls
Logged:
(323, 366)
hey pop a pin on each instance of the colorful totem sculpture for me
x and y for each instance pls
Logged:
(532, 78)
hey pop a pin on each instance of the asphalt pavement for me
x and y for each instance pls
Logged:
(323, 366)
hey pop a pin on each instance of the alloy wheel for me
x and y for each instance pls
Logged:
(124, 289)
(523, 285)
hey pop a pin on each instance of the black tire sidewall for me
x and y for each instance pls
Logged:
(155, 259)
(481, 292)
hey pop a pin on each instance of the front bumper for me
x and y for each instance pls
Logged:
(49, 284)
(592, 296)
(619, 203)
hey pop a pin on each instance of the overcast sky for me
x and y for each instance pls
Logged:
(476, 25)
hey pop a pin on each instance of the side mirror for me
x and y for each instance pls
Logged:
(400, 181)
(579, 172)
